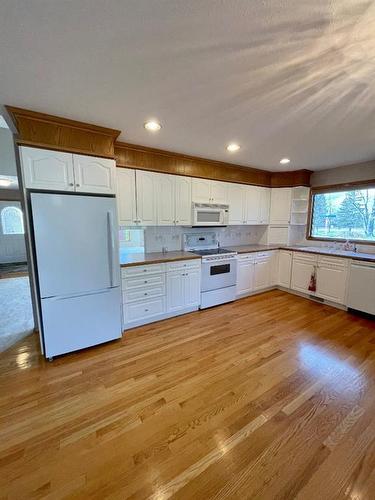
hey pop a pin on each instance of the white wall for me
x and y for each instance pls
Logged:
(7, 156)
(12, 246)
(341, 175)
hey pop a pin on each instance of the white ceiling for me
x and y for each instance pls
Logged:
(291, 78)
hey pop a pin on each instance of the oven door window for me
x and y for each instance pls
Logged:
(219, 269)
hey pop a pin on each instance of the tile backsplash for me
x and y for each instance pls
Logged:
(171, 237)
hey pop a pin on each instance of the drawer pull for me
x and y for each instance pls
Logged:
(146, 281)
(146, 310)
(145, 270)
(146, 293)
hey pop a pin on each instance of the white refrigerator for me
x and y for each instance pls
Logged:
(78, 270)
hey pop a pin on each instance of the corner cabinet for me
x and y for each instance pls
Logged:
(58, 171)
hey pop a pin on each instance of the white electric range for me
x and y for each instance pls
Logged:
(219, 268)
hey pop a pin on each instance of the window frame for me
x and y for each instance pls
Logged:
(333, 188)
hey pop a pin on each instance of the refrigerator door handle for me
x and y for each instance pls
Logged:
(76, 295)
(111, 247)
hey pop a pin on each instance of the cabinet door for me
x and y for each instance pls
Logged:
(264, 205)
(126, 204)
(201, 190)
(262, 273)
(183, 200)
(245, 275)
(301, 275)
(280, 205)
(166, 200)
(274, 267)
(252, 205)
(285, 268)
(94, 175)
(236, 201)
(219, 192)
(175, 291)
(44, 169)
(146, 189)
(332, 279)
(192, 288)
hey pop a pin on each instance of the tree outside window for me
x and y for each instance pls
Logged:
(344, 215)
(12, 220)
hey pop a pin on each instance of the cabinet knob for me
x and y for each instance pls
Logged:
(135, 221)
(146, 281)
(78, 185)
(146, 293)
(146, 310)
(71, 184)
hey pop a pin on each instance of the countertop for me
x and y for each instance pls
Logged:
(136, 259)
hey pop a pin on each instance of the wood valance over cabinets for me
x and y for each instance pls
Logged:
(158, 160)
(52, 132)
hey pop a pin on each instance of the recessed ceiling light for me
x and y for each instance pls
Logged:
(5, 183)
(152, 126)
(284, 161)
(233, 147)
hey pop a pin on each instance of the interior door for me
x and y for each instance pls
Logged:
(76, 242)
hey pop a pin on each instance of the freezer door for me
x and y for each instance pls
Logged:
(72, 323)
(76, 242)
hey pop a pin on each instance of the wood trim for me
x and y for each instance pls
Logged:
(52, 132)
(342, 187)
(10, 195)
(158, 160)
(334, 188)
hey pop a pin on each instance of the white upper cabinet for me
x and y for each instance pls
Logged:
(280, 205)
(45, 169)
(126, 199)
(174, 200)
(207, 191)
(201, 190)
(94, 175)
(237, 204)
(252, 205)
(219, 192)
(59, 171)
(166, 200)
(183, 200)
(146, 190)
(264, 205)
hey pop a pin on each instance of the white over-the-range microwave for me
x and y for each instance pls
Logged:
(210, 214)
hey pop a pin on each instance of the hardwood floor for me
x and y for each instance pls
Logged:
(271, 397)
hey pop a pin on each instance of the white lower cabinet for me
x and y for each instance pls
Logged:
(304, 265)
(285, 268)
(245, 274)
(332, 277)
(157, 291)
(262, 274)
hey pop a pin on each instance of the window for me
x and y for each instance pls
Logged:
(344, 214)
(12, 220)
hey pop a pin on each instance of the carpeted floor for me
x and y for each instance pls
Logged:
(16, 315)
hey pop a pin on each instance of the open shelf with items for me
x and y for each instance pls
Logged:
(299, 207)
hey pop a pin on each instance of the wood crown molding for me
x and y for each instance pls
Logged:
(159, 160)
(52, 132)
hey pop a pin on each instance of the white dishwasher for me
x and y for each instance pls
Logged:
(361, 294)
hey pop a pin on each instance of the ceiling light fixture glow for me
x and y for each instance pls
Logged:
(284, 161)
(152, 126)
(233, 147)
(5, 183)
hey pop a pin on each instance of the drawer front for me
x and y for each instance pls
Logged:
(144, 310)
(143, 281)
(184, 264)
(142, 270)
(264, 254)
(335, 262)
(246, 256)
(305, 257)
(137, 294)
